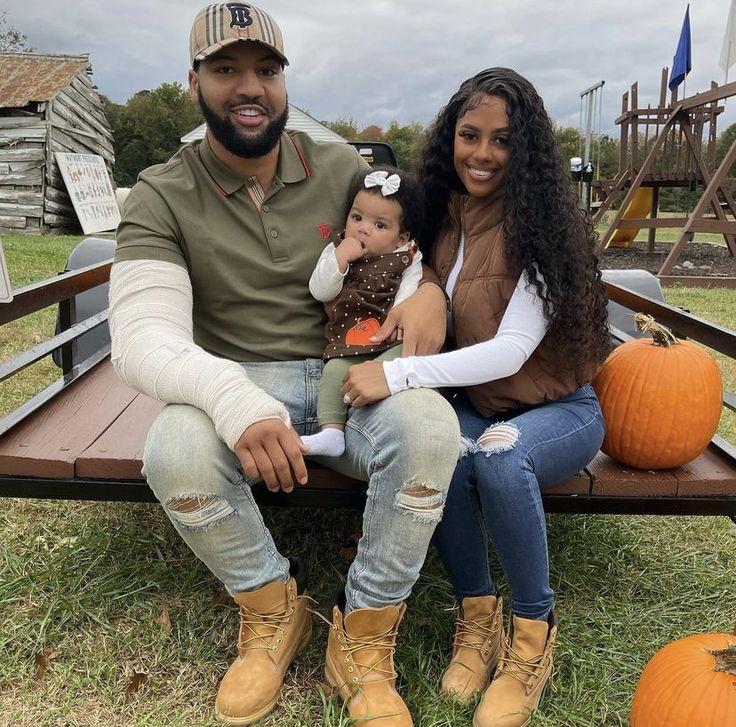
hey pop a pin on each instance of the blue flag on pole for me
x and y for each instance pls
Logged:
(682, 62)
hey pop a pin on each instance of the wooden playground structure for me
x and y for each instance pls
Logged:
(672, 145)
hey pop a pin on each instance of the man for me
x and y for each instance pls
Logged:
(211, 313)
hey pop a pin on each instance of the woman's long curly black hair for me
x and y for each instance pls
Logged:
(543, 225)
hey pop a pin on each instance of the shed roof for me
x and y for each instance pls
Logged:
(298, 121)
(28, 77)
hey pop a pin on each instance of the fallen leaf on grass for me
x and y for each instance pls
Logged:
(164, 620)
(220, 597)
(349, 546)
(43, 662)
(137, 680)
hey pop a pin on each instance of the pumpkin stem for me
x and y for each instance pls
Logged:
(661, 336)
(725, 659)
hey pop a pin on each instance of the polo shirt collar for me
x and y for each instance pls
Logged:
(289, 168)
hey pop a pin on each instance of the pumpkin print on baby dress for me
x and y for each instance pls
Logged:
(360, 334)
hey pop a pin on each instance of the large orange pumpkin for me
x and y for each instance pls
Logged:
(689, 683)
(661, 399)
(361, 332)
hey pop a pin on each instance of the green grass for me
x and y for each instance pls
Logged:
(35, 257)
(86, 585)
(30, 259)
(719, 306)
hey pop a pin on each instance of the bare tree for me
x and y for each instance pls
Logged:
(11, 39)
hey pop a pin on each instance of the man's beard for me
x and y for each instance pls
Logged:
(247, 147)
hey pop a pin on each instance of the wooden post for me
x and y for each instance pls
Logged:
(635, 128)
(624, 142)
(67, 318)
(640, 176)
(653, 215)
(712, 136)
(663, 89)
(709, 196)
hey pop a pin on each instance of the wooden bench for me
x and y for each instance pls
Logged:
(82, 438)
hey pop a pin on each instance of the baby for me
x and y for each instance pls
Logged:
(375, 266)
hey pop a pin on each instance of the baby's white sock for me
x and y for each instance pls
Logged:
(329, 443)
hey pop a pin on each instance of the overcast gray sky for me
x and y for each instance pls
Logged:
(381, 60)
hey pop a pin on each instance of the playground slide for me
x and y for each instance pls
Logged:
(639, 208)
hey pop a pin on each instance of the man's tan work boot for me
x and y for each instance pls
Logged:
(524, 667)
(360, 664)
(275, 626)
(476, 647)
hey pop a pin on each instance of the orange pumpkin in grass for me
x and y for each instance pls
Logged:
(661, 399)
(360, 333)
(689, 683)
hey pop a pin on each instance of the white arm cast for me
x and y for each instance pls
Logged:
(153, 350)
(522, 329)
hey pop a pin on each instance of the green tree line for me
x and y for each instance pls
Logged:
(408, 141)
(147, 130)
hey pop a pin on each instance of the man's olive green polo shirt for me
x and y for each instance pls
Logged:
(249, 268)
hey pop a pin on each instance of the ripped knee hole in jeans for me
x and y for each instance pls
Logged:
(498, 438)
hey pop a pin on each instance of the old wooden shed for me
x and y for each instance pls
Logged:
(48, 103)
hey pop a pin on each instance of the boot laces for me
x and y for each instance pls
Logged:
(263, 626)
(352, 645)
(467, 629)
(382, 641)
(527, 671)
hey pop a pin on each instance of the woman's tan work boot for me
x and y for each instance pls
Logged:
(524, 667)
(476, 647)
(360, 664)
(275, 626)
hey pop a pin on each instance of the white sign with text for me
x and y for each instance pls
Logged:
(90, 190)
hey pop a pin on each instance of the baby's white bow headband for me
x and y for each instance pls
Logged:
(388, 185)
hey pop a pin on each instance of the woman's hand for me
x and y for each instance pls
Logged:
(419, 322)
(365, 384)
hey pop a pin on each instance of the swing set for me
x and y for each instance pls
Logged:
(672, 145)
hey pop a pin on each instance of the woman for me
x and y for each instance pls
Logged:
(528, 329)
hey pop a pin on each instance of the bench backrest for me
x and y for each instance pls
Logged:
(97, 249)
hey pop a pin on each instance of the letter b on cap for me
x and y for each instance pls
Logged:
(239, 15)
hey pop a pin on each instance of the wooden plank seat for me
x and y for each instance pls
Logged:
(87, 443)
(83, 436)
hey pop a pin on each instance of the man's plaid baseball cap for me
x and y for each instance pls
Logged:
(220, 25)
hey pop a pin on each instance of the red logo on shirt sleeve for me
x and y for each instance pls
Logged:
(324, 231)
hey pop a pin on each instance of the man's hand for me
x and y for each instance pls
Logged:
(420, 322)
(272, 451)
(348, 251)
(365, 384)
